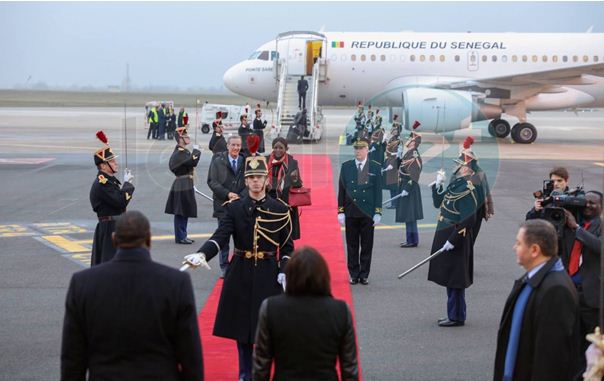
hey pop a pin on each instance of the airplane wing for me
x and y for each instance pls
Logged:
(577, 75)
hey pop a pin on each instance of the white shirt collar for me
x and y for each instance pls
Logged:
(357, 162)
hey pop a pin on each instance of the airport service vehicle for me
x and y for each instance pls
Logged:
(445, 80)
(230, 116)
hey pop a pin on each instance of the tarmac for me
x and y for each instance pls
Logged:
(46, 228)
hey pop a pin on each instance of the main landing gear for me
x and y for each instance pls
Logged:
(523, 133)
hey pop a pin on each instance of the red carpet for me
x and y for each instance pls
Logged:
(320, 229)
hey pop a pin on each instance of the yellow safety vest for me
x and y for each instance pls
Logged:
(154, 118)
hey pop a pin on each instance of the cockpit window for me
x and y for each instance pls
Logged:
(264, 55)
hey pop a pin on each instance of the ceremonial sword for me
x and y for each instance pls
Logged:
(393, 198)
(202, 194)
(432, 256)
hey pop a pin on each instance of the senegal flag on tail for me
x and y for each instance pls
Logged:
(337, 44)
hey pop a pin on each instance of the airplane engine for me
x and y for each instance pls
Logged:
(444, 110)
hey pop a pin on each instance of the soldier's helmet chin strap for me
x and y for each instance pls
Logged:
(111, 166)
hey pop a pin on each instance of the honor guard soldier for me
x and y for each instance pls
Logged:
(369, 123)
(360, 209)
(483, 193)
(359, 119)
(454, 268)
(396, 126)
(261, 230)
(409, 205)
(376, 148)
(391, 165)
(109, 199)
(181, 200)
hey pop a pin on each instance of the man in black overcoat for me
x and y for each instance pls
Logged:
(181, 200)
(109, 199)
(261, 229)
(131, 318)
(537, 332)
(409, 207)
(360, 209)
(259, 125)
(454, 269)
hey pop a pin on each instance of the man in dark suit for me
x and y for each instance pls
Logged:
(583, 265)
(259, 125)
(244, 131)
(181, 200)
(536, 338)
(302, 89)
(360, 209)
(226, 180)
(161, 115)
(131, 318)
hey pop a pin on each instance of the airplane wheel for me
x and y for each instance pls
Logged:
(524, 133)
(514, 132)
(499, 128)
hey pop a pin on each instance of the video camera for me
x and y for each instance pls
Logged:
(554, 202)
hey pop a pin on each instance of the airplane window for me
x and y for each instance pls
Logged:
(564, 59)
(534, 58)
(514, 58)
(334, 57)
(554, 58)
(363, 58)
(596, 58)
(263, 55)
(504, 58)
(403, 58)
(412, 58)
(524, 58)
(274, 56)
(575, 58)
(343, 57)
(442, 58)
(432, 58)
(585, 58)
(494, 58)
(457, 58)
(382, 58)
(254, 55)
(422, 58)
(484, 58)
(544, 58)
(373, 57)
(392, 58)
(353, 57)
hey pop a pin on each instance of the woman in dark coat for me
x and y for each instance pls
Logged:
(305, 331)
(284, 174)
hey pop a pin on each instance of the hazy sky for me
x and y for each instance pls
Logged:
(192, 44)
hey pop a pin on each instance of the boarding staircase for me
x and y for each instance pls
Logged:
(287, 104)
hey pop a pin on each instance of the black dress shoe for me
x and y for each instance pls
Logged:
(353, 281)
(364, 281)
(184, 241)
(450, 323)
(442, 319)
(189, 239)
(405, 244)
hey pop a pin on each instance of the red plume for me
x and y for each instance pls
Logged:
(468, 142)
(101, 136)
(416, 124)
(253, 142)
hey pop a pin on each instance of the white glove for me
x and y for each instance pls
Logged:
(592, 354)
(195, 260)
(196, 146)
(448, 246)
(128, 176)
(389, 167)
(371, 150)
(440, 178)
(281, 280)
(341, 218)
(404, 193)
(376, 219)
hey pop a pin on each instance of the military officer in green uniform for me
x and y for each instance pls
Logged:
(261, 230)
(360, 209)
(109, 199)
(454, 269)
(181, 200)
(409, 207)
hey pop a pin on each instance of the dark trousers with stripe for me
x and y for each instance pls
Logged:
(245, 351)
(456, 304)
(180, 227)
(412, 233)
(359, 234)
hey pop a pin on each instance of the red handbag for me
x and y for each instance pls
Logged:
(299, 196)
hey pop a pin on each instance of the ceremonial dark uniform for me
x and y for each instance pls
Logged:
(109, 200)
(409, 208)
(377, 146)
(360, 131)
(181, 200)
(259, 127)
(483, 195)
(390, 177)
(261, 232)
(360, 198)
(454, 269)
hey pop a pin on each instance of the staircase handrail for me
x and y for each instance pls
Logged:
(281, 92)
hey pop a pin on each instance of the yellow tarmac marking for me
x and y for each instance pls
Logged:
(14, 231)
(83, 258)
(57, 228)
(599, 164)
(155, 238)
(65, 244)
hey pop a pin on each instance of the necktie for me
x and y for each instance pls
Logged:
(575, 254)
(234, 165)
(360, 167)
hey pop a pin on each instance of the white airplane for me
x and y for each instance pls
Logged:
(444, 80)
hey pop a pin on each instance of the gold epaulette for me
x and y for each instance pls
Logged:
(181, 149)
(102, 179)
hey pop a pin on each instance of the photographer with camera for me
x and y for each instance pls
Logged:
(557, 184)
(583, 264)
